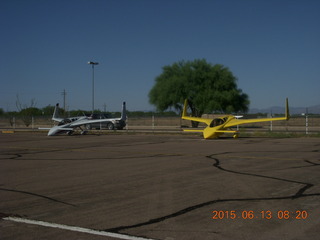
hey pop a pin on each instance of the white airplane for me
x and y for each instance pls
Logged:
(68, 125)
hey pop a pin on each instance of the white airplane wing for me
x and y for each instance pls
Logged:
(87, 121)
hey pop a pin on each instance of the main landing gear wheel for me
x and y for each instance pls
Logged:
(110, 126)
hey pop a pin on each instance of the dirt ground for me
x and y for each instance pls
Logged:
(158, 187)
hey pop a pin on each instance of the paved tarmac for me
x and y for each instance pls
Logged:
(158, 187)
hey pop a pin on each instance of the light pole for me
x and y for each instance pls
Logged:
(92, 64)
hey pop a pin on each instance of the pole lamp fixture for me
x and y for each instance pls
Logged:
(92, 64)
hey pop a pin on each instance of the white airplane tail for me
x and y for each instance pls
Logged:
(55, 116)
(124, 112)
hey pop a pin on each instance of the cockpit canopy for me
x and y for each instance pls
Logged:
(218, 121)
(67, 120)
(64, 121)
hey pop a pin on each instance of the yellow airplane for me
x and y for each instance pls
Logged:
(220, 125)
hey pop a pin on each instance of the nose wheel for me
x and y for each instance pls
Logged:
(70, 133)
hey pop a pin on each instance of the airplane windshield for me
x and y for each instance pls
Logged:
(216, 122)
(64, 121)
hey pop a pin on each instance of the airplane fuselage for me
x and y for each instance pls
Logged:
(59, 129)
(67, 124)
(217, 124)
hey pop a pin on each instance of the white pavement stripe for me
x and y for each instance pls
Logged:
(74, 229)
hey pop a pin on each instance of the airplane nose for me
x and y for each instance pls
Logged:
(52, 131)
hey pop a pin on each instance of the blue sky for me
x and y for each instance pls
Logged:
(271, 46)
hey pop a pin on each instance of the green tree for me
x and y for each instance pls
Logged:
(27, 113)
(207, 87)
(48, 110)
(31, 111)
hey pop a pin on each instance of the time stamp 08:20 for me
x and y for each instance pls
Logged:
(265, 214)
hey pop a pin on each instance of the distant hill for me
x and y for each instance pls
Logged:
(293, 110)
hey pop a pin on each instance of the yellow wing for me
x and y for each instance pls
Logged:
(235, 122)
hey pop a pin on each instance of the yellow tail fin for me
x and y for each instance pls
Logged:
(287, 110)
(185, 105)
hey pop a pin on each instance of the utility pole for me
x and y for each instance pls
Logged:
(64, 94)
(271, 126)
(307, 122)
(92, 64)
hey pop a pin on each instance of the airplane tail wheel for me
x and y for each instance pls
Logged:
(235, 135)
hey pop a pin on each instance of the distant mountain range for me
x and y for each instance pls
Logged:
(293, 110)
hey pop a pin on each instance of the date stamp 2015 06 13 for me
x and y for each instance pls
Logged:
(264, 214)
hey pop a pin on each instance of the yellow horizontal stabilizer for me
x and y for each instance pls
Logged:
(192, 130)
(226, 131)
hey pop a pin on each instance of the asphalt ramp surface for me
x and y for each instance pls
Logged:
(159, 187)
